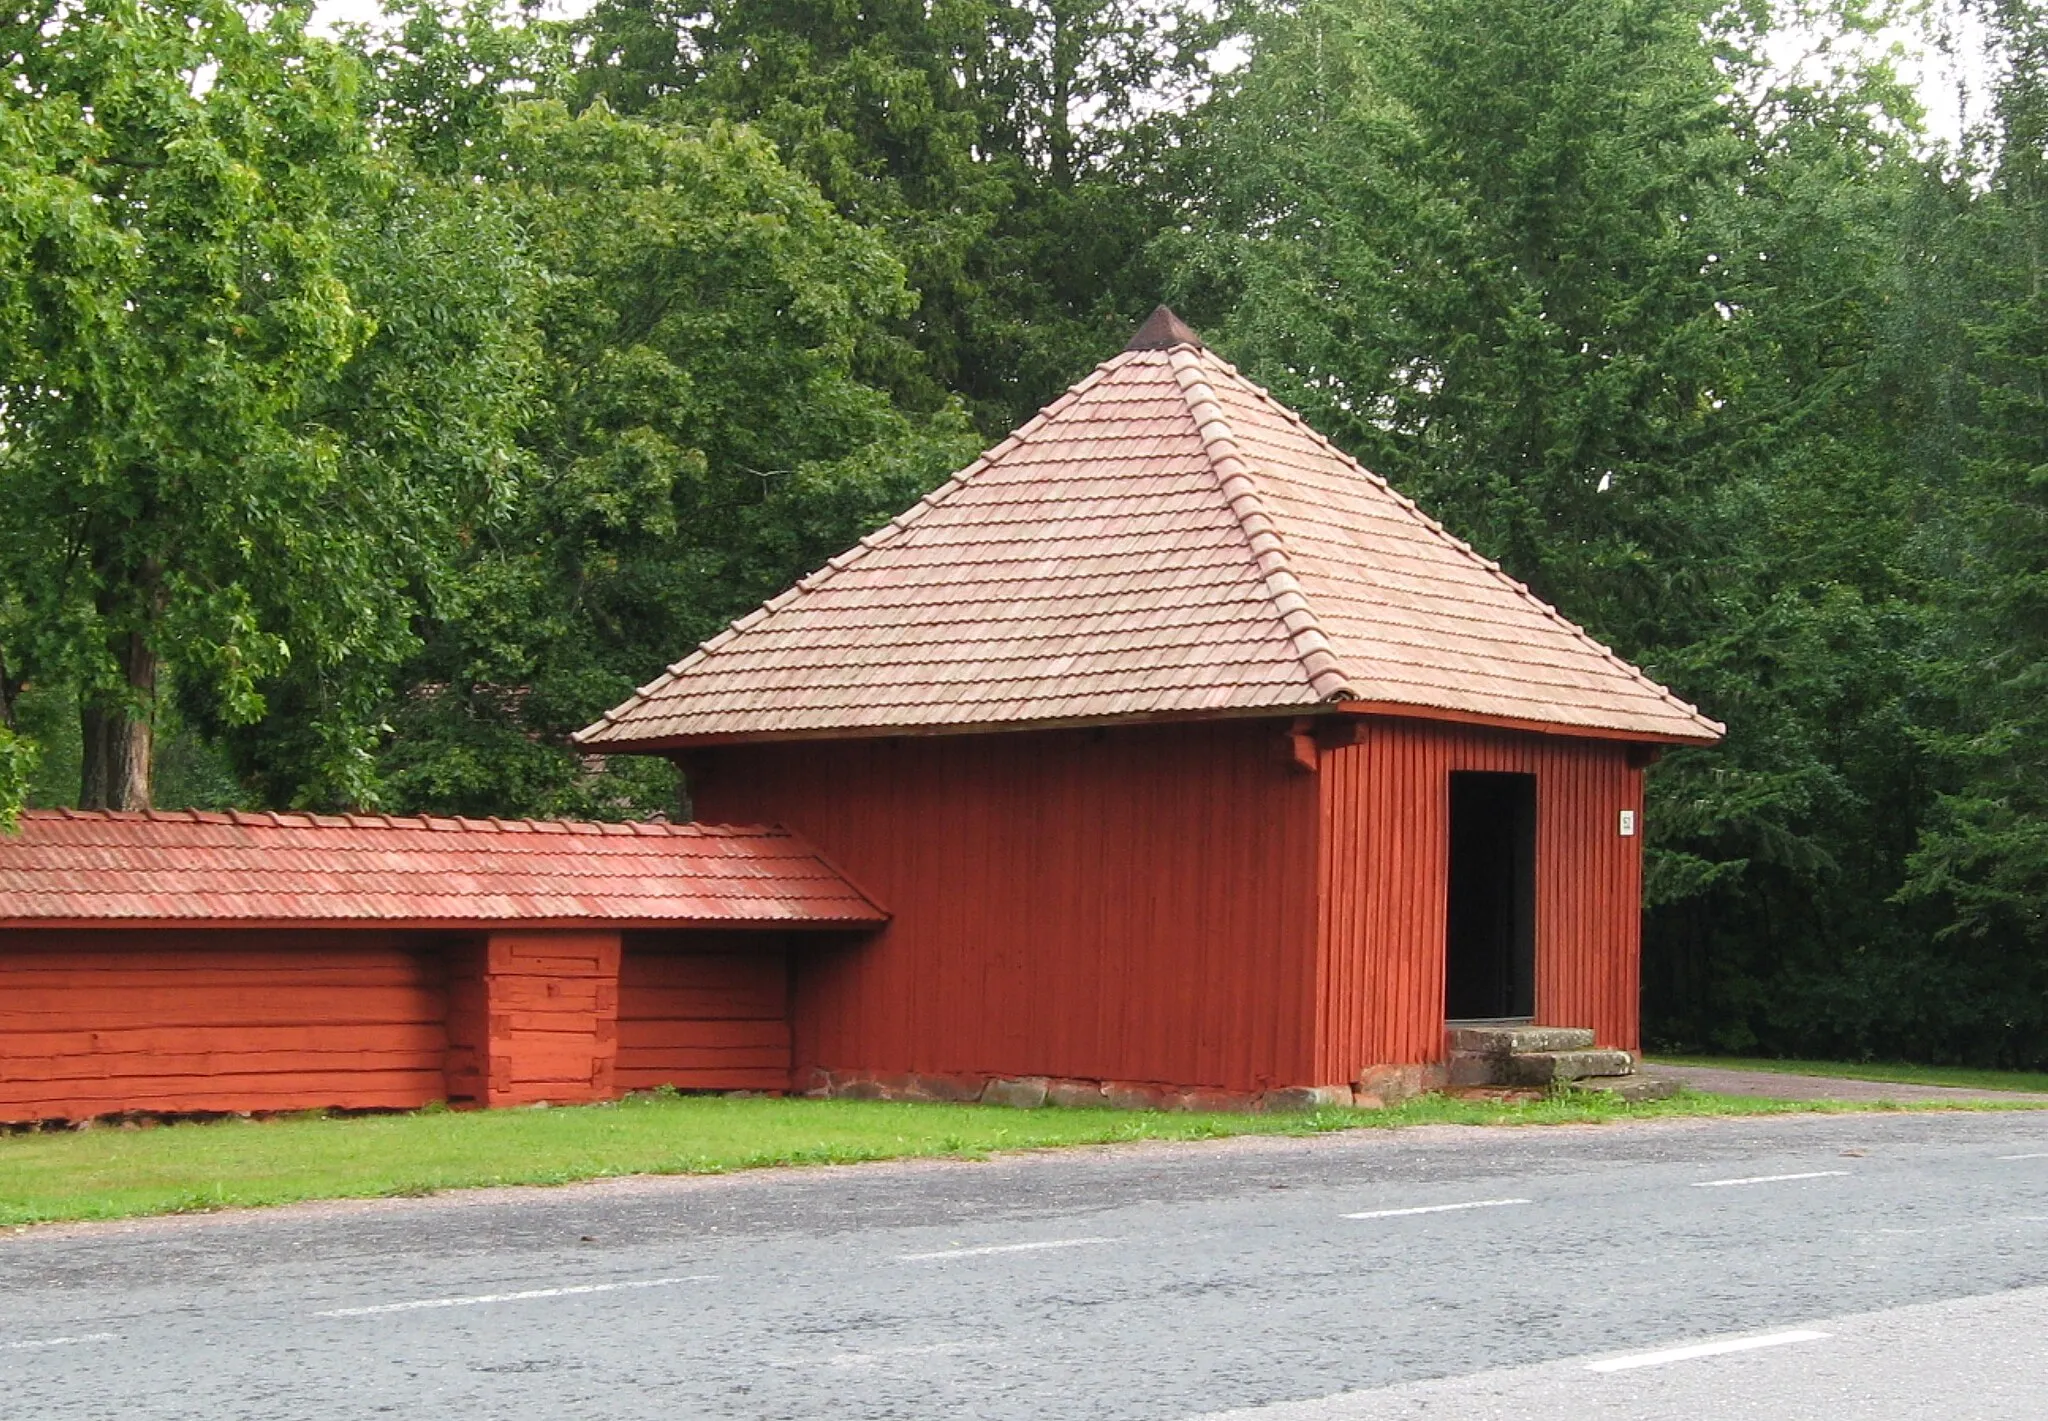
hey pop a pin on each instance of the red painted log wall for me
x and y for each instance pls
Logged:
(98, 1022)
(704, 1011)
(1385, 839)
(1136, 903)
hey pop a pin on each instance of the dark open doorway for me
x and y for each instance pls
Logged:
(1490, 942)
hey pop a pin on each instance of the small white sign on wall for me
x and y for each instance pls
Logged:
(1628, 823)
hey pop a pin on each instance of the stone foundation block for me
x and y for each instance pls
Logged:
(1134, 1095)
(1073, 1095)
(1025, 1094)
(944, 1089)
(1389, 1086)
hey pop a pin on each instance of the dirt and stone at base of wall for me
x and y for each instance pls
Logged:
(1377, 1088)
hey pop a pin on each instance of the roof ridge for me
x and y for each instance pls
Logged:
(1520, 588)
(812, 581)
(1234, 477)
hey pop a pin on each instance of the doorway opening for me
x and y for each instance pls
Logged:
(1490, 937)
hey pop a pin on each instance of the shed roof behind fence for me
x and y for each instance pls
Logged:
(1164, 540)
(73, 867)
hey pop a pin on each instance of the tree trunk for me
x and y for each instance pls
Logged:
(119, 732)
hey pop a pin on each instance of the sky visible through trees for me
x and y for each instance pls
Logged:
(379, 404)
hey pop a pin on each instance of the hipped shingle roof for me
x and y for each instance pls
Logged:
(1166, 539)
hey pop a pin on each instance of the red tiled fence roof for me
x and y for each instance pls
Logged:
(1165, 539)
(77, 867)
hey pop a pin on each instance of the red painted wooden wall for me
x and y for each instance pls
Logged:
(105, 1021)
(1179, 903)
(704, 1011)
(96, 1022)
(1385, 841)
(1132, 904)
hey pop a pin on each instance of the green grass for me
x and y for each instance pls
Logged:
(1962, 1076)
(109, 1173)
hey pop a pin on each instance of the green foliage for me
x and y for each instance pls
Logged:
(245, 423)
(699, 432)
(996, 145)
(1984, 862)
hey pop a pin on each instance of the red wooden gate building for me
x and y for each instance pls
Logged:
(1186, 753)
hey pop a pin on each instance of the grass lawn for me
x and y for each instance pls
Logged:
(107, 1173)
(1962, 1076)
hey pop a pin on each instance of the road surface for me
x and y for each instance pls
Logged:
(1823, 1266)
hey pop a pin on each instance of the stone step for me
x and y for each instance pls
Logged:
(1633, 1089)
(1518, 1040)
(1561, 1067)
(1467, 1068)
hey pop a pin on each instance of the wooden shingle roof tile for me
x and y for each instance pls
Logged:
(1164, 539)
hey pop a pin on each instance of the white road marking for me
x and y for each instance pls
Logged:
(1771, 1178)
(1000, 1248)
(27, 1343)
(575, 1291)
(1704, 1349)
(2011, 1157)
(1436, 1209)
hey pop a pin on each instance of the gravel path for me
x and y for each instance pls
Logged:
(1778, 1085)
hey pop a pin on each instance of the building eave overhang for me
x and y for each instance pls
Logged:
(1392, 710)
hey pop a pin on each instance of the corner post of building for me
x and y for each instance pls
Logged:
(552, 1008)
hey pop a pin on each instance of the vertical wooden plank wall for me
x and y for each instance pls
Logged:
(704, 1011)
(553, 1003)
(1385, 837)
(1132, 904)
(98, 1022)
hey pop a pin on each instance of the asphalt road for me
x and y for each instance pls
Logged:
(1898, 1268)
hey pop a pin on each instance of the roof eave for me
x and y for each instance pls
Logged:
(658, 744)
(1630, 734)
(764, 924)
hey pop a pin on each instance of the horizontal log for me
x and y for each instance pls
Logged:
(702, 972)
(681, 1005)
(398, 1036)
(337, 1007)
(145, 1066)
(175, 1093)
(538, 1065)
(547, 993)
(145, 944)
(708, 1078)
(551, 1023)
(396, 972)
(710, 1058)
(656, 1034)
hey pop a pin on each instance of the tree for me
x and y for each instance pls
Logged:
(699, 435)
(999, 147)
(1985, 858)
(216, 448)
